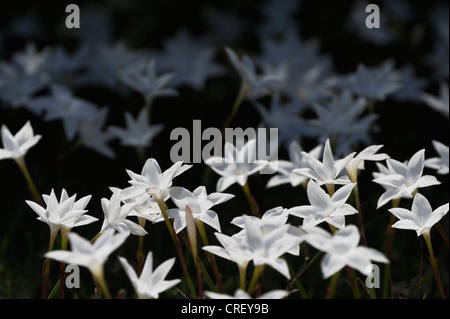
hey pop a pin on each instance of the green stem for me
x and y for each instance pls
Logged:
(332, 286)
(33, 190)
(244, 89)
(253, 205)
(100, 279)
(354, 282)
(209, 256)
(242, 275)
(140, 255)
(359, 215)
(390, 242)
(437, 276)
(62, 270)
(46, 271)
(256, 274)
(163, 207)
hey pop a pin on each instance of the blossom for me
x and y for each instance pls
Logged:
(61, 104)
(16, 146)
(242, 294)
(147, 82)
(153, 181)
(325, 208)
(116, 214)
(62, 214)
(341, 249)
(144, 205)
(440, 163)
(150, 283)
(285, 168)
(139, 133)
(367, 154)
(327, 171)
(374, 83)
(438, 103)
(421, 217)
(403, 179)
(199, 203)
(237, 165)
(87, 254)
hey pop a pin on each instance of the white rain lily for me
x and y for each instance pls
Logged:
(153, 181)
(324, 208)
(357, 162)
(327, 171)
(438, 103)
(62, 214)
(147, 82)
(285, 168)
(441, 163)
(237, 164)
(242, 294)
(116, 214)
(138, 132)
(199, 203)
(16, 146)
(341, 249)
(271, 220)
(151, 282)
(145, 206)
(402, 180)
(421, 217)
(90, 255)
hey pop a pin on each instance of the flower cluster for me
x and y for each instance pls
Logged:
(332, 201)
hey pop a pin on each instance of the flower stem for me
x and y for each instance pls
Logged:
(256, 274)
(390, 242)
(437, 276)
(100, 279)
(354, 282)
(163, 207)
(140, 255)
(332, 286)
(244, 89)
(242, 275)
(209, 256)
(251, 200)
(62, 270)
(46, 265)
(33, 190)
(359, 215)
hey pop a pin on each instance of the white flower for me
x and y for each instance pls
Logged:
(116, 214)
(421, 217)
(199, 203)
(327, 171)
(367, 154)
(153, 181)
(438, 103)
(16, 146)
(342, 250)
(64, 213)
(325, 208)
(84, 253)
(403, 179)
(138, 132)
(441, 163)
(147, 82)
(144, 205)
(236, 165)
(150, 283)
(285, 168)
(242, 294)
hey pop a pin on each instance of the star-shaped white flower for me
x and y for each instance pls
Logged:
(421, 217)
(87, 254)
(367, 154)
(62, 214)
(324, 208)
(16, 146)
(150, 283)
(236, 165)
(138, 132)
(327, 171)
(153, 181)
(342, 250)
(441, 163)
(116, 214)
(438, 103)
(403, 179)
(199, 203)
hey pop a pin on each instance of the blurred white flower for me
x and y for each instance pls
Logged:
(421, 217)
(16, 146)
(138, 132)
(402, 179)
(438, 103)
(242, 294)
(151, 282)
(324, 208)
(357, 162)
(342, 250)
(441, 163)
